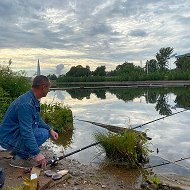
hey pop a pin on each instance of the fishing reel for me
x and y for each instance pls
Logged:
(53, 162)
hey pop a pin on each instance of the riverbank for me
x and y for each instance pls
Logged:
(88, 177)
(118, 84)
(81, 176)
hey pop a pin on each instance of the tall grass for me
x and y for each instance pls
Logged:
(129, 147)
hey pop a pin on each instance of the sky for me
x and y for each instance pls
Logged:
(66, 33)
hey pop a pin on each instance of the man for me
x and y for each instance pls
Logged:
(22, 130)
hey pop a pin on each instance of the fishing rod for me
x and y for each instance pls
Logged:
(168, 162)
(121, 129)
(172, 162)
(54, 161)
(159, 119)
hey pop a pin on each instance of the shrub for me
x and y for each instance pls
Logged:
(14, 83)
(60, 117)
(5, 101)
(129, 147)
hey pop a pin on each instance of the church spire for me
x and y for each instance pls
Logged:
(38, 68)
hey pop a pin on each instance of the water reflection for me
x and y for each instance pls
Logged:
(85, 93)
(162, 106)
(130, 178)
(130, 107)
(60, 95)
(65, 138)
(160, 96)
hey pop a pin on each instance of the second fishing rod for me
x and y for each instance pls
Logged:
(55, 160)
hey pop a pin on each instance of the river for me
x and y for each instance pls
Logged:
(128, 107)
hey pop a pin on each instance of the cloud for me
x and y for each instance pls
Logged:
(184, 20)
(107, 31)
(137, 33)
(59, 69)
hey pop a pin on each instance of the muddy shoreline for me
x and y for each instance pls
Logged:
(87, 177)
(81, 176)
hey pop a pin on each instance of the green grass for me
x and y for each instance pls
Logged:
(129, 147)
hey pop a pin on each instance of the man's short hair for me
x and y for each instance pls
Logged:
(39, 81)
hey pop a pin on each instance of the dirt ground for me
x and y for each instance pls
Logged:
(83, 177)
(80, 176)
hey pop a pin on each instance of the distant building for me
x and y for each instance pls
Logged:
(38, 68)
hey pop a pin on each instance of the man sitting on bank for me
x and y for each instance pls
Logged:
(22, 130)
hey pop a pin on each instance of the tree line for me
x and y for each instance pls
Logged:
(155, 69)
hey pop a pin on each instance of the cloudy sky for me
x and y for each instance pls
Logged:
(90, 32)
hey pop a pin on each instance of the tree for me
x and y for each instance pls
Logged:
(151, 66)
(163, 56)
(52, 77)
(183, 63)
(100, 71)
(78, 71)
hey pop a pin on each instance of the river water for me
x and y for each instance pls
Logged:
(128, 107)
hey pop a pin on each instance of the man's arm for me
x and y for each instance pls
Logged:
(25, 117)
(42, 124)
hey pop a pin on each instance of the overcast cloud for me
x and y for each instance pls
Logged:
(90, 32)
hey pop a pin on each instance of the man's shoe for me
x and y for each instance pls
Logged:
(2, 177)
(17, 162)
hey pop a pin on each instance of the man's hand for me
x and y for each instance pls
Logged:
(54, 134)
(41, 160)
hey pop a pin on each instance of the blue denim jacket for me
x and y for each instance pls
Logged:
(19, 124)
